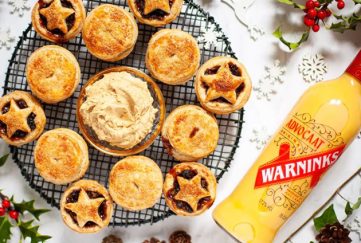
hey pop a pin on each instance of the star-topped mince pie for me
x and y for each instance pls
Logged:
(22, 119)
(223, 85)
(58, 20)
(189, 189)
(155, 12)
(86, 206)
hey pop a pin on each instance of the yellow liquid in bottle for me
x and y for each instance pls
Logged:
(323, 122)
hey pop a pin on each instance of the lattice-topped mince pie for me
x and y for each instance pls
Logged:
(190, 133)
(53, 73)
(22, 119)
(58, 20)
(189, 189)
(86, 206)
(223, 85)
(172, 56)
(61, 156)
(110, 32)
(135, 183)
(155, 12)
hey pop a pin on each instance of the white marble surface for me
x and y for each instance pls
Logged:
(338, 50)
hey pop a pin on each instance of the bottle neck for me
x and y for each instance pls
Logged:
(355, 67)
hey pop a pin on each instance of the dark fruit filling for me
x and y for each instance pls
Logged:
(90, 224)
(204, 184)
(188, 174)
(70, 20)
(167, 145)
(73, 197)
(31, 121)
(184, 206)
(234, 69)
(19, 135)
(240, 89)
(204, 201)
(102, 210)
(156, 14)
(92, 194)
(221, 100)
(21, 104)
(5, 108)
(212, 71)
(72, 215)
(2, 127)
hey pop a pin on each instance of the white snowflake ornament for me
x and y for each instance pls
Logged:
(255, 32)
(209, 37)
(264, 89)
(19, 6)
(355, 226)
(275, 72)
(6, 39)
(312, 68)
(260, 137)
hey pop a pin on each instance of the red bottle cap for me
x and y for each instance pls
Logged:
(355, 67)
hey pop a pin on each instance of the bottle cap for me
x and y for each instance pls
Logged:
(355, 67)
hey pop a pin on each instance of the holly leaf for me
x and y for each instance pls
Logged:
(292, 3)
(349, 209)
(328, 217)
(346, 23)
(291, 45)
(28, 206)
(28, 230)
(5, 229)
(357, 1)
(3, 159)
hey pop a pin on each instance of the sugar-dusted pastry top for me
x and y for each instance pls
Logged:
(110, 32)
(135, 183)
(61, 156)
(53, 73)
(155, 12)
(172, 56)
(119, 109)
(189, 188)
(22, 119)
(190, 133)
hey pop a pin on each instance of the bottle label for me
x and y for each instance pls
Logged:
(355, 68)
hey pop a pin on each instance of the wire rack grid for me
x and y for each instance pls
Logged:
(193, 20)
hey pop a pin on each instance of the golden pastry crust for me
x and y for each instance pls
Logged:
(223, 85)
(135, 183)
(190, 133)
(172, 56)
(53, 73)
(155, 12)
(61, 156)
(22, 119)
(58, 21)
(110, 32)
(86, 207)
(189, 189)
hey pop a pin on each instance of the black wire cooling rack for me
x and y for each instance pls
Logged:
(193, 20)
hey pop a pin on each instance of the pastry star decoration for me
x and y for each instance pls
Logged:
(222, 84)
(191, 191)
(86, 209)
(16, 119)
(151, 5)
(56, 16)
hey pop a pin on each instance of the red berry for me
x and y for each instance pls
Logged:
(310, 4)
(316, 28)
(312, 13)
(328, 12)
(308, 22)
(340, 4)
(14, 214)
(317, 4)
(321, 14)
(2, 211)
(6, 203)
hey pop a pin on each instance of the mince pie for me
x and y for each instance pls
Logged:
(223, 85)
(135, 183)
(22, 119)
(86, 206)
(61, 156)
(110, 32)
(172, 56)
(58, 20)
(189, 189)
(53, 73)
(190, 133)
(155, 12)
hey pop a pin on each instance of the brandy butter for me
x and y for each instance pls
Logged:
(312, 138)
